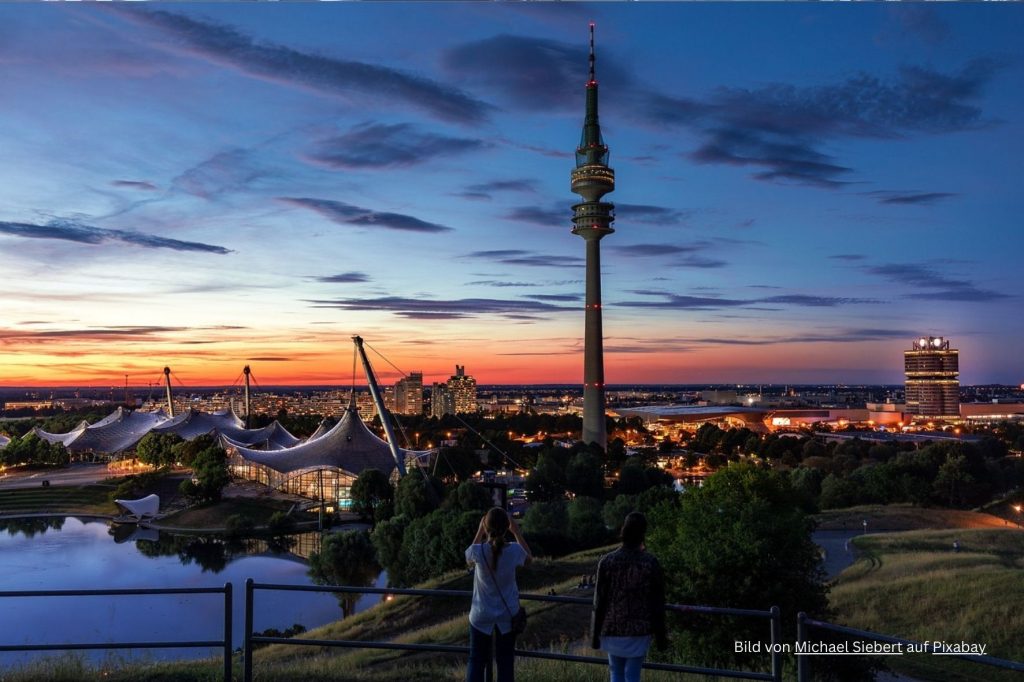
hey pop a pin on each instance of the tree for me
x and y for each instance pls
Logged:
(417, 494)
(471, 497)
(585, 476)
(547, 480)
(346, 558)
(370, 491)
(158, 449)
(740, 541)
(586, 525)
(209, 476)
(185, 452)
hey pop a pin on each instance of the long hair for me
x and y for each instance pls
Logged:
(496, 525)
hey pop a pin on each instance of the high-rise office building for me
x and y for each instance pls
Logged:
(592, 219)
(463, 390)
(409, 394)
(932, 379)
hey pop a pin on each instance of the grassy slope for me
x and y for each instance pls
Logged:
(904, 517)
(216, 515)
(913, 585)
(88, 499)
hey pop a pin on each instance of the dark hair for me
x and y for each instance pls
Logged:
(634, 528)
(496, 524)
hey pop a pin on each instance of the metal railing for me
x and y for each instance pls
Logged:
(805, 624)
(224, 643)
(772, 615)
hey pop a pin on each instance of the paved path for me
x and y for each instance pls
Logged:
(839, 552)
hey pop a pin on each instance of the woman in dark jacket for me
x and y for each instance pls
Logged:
(629, 603)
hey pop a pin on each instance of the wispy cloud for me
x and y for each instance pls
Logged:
(231, 170)
(347, 214)
(781, 128)
(670, 301)
(418, 308)
(347, 79)
(893, 197)
(941, 287)
(72, 231)
(379, 145)
(531, 258)
(345, 278)
(486, 190)
(135, 184)
(851, 257)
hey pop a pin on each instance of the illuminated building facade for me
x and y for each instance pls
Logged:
(463, 390)
(932, 379)
(592, 220)
(409, 394)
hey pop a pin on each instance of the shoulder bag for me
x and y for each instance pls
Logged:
(519, 617)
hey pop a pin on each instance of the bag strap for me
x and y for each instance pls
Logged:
(494, 579)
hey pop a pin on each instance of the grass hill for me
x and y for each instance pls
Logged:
(914, 585)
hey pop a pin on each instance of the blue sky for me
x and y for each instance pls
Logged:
(801, 190)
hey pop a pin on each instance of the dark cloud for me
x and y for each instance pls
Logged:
(890, 197)
(416, 308)
(135, 184)
(345, 278)
(486, 190)
(842, 336)
(501, 284)
(699, 262)
(282, 65)
(848, 256)
(475, 196)
(943, 288)
(783, 159)
(347, 214)
(672, 301)
(66, 230)
(531, 73)
(564, 298)
(504, 186)
(116, 333)
(655, 215)
(545, 217)
(645, 250)
(814, 301)
(781, 128)
(379, 145)
(520, 257)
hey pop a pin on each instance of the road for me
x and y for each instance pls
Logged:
(80, 473)
(838, 550)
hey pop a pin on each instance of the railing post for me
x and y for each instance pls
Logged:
(803, 672)
(247, 636)
(227, 631)
(776, 645)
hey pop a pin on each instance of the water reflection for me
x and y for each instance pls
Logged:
(62, 554)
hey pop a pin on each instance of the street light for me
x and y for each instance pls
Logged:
(1017, 509)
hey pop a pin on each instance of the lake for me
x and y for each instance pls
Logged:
(69, 553)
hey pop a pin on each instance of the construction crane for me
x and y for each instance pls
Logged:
(378, 401)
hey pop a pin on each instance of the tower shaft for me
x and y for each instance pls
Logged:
(594, 429)
(592, 220)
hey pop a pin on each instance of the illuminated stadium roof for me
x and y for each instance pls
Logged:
(118, 431)
(193, 423)
(349, 446)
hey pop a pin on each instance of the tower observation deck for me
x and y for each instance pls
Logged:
(592, 219)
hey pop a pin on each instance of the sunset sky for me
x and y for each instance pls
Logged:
(802, 189)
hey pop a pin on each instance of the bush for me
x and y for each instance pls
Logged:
(238, 526)
(280, 523)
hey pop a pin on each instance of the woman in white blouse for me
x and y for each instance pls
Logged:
(495, 594)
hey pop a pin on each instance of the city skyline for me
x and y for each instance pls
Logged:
(804, 190)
